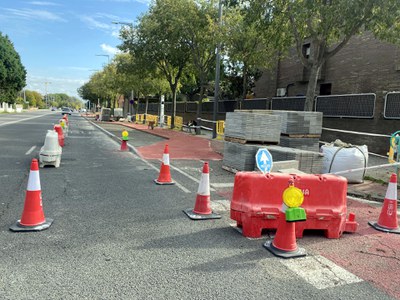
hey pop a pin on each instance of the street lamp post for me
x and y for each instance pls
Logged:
(46, 83)
(217, 75)
(123, 23)
(131, 107)
(106, 55)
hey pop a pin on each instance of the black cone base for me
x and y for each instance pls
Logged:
(163, 183)
(17, 227)
(380, 228)
(194, 216)
(299, 252)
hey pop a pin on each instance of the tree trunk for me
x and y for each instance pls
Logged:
(244, 86)
(173, 114)
(312, 84)
(145, 112)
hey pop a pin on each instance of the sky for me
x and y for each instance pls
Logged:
(63, 42)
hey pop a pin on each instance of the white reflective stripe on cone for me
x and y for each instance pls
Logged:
(204, 186)
(34, 181)
(391, 192)
(165, 159)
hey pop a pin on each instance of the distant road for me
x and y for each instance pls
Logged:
(12, 118)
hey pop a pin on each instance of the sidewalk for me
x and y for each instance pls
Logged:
(184, 145)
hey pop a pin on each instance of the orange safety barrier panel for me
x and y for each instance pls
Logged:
(257, 201)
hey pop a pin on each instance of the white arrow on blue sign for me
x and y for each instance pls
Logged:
(264, 160)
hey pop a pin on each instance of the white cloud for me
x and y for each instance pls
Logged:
(68, 86)
(35, 14)
(115, 33)
(109, 49)
(43, 3)
(93, 23)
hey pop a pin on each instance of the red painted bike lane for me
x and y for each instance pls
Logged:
(181, 145)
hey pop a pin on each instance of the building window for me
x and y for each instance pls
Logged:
(325, 89)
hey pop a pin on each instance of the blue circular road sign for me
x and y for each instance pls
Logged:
(264, 160)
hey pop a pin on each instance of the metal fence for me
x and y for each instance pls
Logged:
(336, 106)
(349, 106)
(288, 103)
(392, 106)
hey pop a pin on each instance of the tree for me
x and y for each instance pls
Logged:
(325, 27)
(157, 41)
(144, 81)
(202, 32)
(34, 98)
(12, 72)
(247, 49)
(87, 92)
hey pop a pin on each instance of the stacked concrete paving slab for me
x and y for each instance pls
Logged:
(245, 133)
(303, 143)
(240, 157)
(299, 122)
(253, 127)
(299, 134)
(309, 161)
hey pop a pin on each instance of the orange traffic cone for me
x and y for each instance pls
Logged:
(284, 243)
(65, 117)
(387, 221)
(124, 146)
(32, 216)
(202, 208)
(164, 177)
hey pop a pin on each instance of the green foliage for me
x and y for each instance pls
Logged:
(157, 42)
(247, 46)
(34, 98)
(326, 25)
(63, 100)
(12, 72)
(172, 47)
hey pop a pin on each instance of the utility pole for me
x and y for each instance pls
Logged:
(46, 83)
(217, 75)
(131, 107)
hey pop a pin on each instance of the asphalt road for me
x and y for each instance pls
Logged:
(117, 235)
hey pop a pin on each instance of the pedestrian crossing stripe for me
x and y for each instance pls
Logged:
(320, 272)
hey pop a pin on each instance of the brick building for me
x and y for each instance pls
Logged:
(364, 65)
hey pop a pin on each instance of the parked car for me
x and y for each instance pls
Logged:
(66, 110)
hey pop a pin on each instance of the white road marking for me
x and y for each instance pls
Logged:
(22, 120)
(182, 188)
(188, 176)
(137, 155)
(222, 185)
(30, 150)
(320, 272)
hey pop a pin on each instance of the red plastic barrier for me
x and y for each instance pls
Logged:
(60, 133)
(257, 201)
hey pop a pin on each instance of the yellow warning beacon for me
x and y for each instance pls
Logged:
(293, 197)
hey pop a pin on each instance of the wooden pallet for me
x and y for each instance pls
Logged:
(244, 141)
